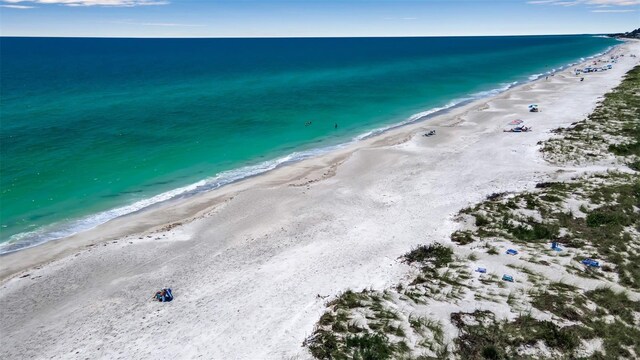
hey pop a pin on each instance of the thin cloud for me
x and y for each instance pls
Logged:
(170, 24)
(23, 7)
(107, 3)
(165, 24)
(615, 2)
(613, 11)
(554, 2)
(600, 3)
(402, 18)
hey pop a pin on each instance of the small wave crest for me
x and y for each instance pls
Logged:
(504, 87)
(411, 119)
(536, 76)
(437, 110)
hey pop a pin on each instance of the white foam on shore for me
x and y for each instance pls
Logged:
(535, 76)
(65, 229)
(411, 119)
(504, 87)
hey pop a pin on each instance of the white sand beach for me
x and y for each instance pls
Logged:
(252, 264)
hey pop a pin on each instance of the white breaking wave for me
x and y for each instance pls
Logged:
(536, 76)
(504, 87)
(411, 119)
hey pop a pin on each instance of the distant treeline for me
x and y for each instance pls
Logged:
(635, 34)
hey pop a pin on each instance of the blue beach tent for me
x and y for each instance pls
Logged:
(481, 270)
(512, 252)
(508, 278)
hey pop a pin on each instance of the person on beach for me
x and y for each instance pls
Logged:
(164, 295)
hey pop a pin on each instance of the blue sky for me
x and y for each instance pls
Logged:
(239, 18)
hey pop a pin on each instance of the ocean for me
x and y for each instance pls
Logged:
(95, 128)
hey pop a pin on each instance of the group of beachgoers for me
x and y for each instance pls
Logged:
(518, 125)
(598, 66)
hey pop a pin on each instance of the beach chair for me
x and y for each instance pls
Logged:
(512, 252)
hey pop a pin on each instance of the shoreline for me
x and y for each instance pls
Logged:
(251, 268)
(228, 178)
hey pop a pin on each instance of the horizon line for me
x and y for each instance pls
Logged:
(293, 37)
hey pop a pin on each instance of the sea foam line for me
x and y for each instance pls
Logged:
(61, 230)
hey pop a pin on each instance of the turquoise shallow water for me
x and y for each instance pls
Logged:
(91, 129)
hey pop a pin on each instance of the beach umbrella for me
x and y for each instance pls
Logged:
(515, 122)
(533, 106)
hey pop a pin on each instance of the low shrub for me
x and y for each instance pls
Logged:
(436, 254)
